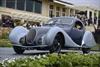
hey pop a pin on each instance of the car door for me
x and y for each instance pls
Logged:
(77, 32)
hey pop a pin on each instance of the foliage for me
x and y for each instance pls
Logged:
(55, 60)
(5, 43)
(4, 36)
(4, 32)
(1, 65)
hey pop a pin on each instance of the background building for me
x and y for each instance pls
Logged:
(42, 10)
(91, 7)
(35, 10)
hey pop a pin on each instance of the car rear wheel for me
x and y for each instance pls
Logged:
(58, 43)
(18, 49)
(85, 50)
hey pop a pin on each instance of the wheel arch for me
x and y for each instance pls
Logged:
(50, 36)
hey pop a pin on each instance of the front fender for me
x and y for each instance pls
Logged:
(49, 37)
(17, 33)
(88, 40)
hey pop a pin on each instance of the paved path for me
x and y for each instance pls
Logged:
(90, 28)
(9, 53)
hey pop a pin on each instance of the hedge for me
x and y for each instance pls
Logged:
(4, 39)
(5, 43)
(55, 60)
(4, 32)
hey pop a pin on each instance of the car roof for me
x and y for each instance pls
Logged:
(71, 17)
(68, 17)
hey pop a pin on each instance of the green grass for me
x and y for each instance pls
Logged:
(5, 43)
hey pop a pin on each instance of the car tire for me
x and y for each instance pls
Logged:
(85, 50)
(57, 43)
(18, 49)
(56, 47)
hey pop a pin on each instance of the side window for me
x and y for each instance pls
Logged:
(78, 25)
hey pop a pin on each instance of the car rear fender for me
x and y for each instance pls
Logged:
(88, 40)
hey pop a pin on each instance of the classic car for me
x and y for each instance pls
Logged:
(56, 34)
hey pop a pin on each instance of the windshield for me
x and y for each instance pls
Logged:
(67, 21)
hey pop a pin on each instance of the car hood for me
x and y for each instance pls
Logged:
(40, 31)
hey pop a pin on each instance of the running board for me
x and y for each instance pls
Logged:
(39, 47)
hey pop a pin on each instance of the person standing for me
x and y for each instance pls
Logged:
(95, 20)
(98, 23)
(89, 21)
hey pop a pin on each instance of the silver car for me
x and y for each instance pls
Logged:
(56, 34)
